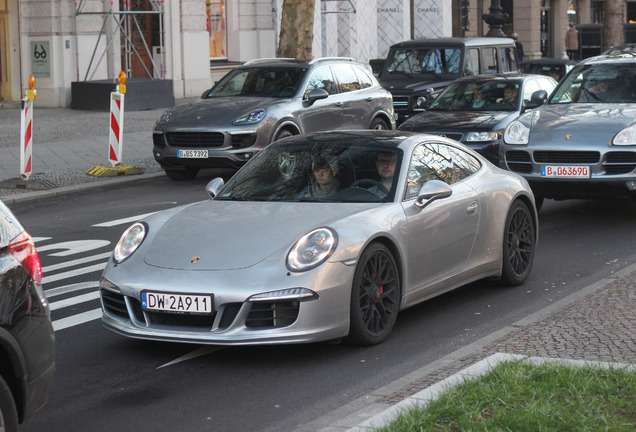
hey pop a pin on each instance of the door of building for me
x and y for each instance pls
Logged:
(546, 29)
(138, 60)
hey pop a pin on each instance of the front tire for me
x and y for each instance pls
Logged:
(285, 133)
(8, 411)
(375, 296)
(519, 245)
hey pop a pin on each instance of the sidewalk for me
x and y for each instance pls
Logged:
(597, 323)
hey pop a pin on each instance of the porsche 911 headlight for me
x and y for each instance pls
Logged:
(626, 137)
(129, 242)
(483, 136)
(165, 117)
(516, 133)
(312, 249)
(251, 118)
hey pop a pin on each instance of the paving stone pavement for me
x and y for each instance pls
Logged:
(598, 323)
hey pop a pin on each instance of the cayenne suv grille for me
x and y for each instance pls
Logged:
(519, 161)
(567, 157)
(620, 162)
(273, 314)
(195, 139)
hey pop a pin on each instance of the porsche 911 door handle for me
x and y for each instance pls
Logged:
(472, 207)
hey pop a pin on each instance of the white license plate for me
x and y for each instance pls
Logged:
(178, 303)
(565, 171)
(192, 154)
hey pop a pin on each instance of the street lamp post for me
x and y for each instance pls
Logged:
(495, 19)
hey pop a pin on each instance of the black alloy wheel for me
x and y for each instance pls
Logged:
(379, 124)
(375, 296)
(283, 134)
(519, 245)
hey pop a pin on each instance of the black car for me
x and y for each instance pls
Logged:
(555, 68)
(416, 71)
(27, 340)
(476, 110)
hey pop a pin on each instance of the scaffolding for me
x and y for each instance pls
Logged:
(126, 22)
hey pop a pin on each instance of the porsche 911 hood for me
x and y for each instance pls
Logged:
(215, 111)
(224, 235)
(583, 124)
(456, 120)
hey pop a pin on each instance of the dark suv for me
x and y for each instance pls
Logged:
(416, 71)
(27, 341)
(265, 100)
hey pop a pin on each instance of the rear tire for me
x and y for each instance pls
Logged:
(179, 175)
(8, 411)
(379, 124)
(375, 296)
(518, 245)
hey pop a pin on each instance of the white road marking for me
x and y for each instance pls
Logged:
(73, 247)
(70, 288)
(79, 261)
(78, 319)
(74, 300)
(122, 221)
(72, 273)
(194, 354)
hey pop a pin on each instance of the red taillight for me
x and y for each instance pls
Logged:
(23, 250)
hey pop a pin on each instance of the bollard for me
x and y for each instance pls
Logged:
(26, 131)
(116, 133)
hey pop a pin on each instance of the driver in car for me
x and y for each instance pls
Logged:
(385, 164)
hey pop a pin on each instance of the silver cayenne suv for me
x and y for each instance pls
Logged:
(265, 100)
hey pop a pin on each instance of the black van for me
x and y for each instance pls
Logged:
(416, 71)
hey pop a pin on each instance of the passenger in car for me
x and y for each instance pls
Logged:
(323, 181)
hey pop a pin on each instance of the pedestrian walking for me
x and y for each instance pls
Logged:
(572, 42)
(519, 46)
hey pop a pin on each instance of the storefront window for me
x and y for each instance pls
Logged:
(216, 28)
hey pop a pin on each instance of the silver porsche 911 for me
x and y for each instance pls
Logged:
(321, 237)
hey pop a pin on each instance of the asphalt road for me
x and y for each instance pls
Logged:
(105, 382)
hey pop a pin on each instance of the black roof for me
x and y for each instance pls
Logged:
(454, 42)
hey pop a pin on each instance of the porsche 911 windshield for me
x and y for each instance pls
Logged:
(331, 172)
(598, 83)
(276, 82)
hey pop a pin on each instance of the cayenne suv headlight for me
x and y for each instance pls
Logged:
(517, 133)
(165, 117)
(625, 137)
(130, 240)
(483, 136)
(251, 118)
(312, 249)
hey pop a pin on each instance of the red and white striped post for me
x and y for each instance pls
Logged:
(116, 121)
(26, 131)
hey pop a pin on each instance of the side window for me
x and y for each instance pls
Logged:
(438, 161)
(472, 62)
(346, 78)
(489, 57)
(321, 78)
(363, 77)
(508, 59)
(530, 87)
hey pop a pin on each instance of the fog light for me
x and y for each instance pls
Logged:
(631, 184)
(247, 155)
(157, 154)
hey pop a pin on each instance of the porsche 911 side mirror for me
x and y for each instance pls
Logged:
(431, 191)
(215, 185)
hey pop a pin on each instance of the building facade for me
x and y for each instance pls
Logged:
(194, 42)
